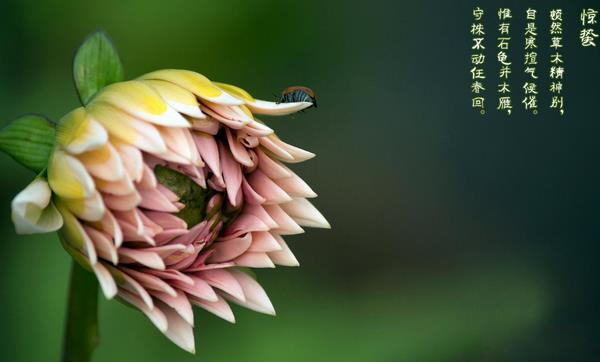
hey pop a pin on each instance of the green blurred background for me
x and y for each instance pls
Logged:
(455, 237)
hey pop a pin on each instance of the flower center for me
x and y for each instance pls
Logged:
(199, 203)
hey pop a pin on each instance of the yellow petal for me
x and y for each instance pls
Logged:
(180, 99)
(77, 132)
(103, 163)
(89, 209)
(127, 128)
(68, 177)
(141, 101)
(195, 83)
(235, 91)
(74, 235)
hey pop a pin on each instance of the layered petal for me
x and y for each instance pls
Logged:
(167, 188)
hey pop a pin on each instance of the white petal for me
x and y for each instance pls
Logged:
(33, 211)
(256, 298)
(284, 256)
(180, 303)
(178, 330)
(276, 109)
(305, 214)
(287, 225)
(295, 186)
(106, 281)
(254, 260)
(220, 308)
(155, 315)
(147, 258)
(222, 279)
(264, 241)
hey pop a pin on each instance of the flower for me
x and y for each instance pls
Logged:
(167, 187)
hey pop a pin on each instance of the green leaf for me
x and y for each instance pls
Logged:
(96, 65)
(29, 140)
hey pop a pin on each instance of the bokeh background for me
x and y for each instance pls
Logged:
(456, 237)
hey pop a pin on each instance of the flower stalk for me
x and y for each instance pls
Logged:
(81, 324)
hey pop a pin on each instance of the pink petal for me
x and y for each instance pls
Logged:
(247, 140)
(154, 314)
(132, 160)
(284, 256)
(149, 281)
(222, 279)
(232, 174)
(275, 150)
(251, 196)
(305, 214)
(287, 225)
(263, 241)
(238, 150)
(257, 129)
(109, 225)
(149, 259)
(132, 218)
(180, 303)
(169, 235)
(207, 146)
(262, 214)
(245, 223)
(268, 189)
(166, 220)
(230, 249)
(123, 202)
(256, 298)
(297, 154)
(122, 186)
(220, 308)
(200, 289)
(148, 180)
(130, 233)
(207, 125)
(272, 168)
(149, 224)
(104, 246)
(131, 285)
(254, 260)
(295, 187)
(154, 200)
(165, 251)
(171, 274)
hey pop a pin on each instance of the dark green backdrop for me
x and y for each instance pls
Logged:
(455, 237)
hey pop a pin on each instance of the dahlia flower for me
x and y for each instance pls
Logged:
(168, 188)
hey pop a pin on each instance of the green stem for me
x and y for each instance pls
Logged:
(81, 327)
